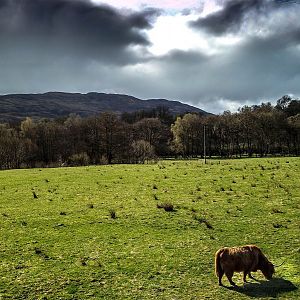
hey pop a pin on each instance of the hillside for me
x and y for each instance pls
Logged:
(57, 104)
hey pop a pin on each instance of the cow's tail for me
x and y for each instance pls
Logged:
(218, 268)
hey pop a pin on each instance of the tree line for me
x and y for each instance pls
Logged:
(107, 138)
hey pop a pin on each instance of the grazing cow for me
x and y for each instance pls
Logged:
(242, 259)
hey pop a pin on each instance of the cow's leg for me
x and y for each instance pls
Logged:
(229, 275)
(245, 276)
(221, 273)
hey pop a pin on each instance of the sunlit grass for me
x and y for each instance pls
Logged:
(98, 232)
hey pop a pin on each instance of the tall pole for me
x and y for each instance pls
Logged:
(204, 144)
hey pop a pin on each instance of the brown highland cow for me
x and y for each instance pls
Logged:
(242, 259)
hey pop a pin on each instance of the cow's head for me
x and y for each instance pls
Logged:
(268, 270)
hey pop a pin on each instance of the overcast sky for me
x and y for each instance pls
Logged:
(214, 54)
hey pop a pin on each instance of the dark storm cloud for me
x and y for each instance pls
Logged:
(38, 28)
(284, 2)
(230, 17)
(254, 70)
(77, 46)
(235, 13)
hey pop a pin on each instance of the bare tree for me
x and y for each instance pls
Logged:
(142, 151)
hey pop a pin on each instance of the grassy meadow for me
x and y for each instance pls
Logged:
(147, 231)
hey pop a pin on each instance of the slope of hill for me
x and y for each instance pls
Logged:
(57, 104)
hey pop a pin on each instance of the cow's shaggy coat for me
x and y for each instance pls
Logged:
(242, 259)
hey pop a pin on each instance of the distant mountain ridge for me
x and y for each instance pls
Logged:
(58, 104)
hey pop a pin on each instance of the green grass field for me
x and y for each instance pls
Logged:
(97, 232)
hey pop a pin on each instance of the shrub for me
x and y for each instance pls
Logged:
(41, 253)
(277, 225)
(113, 213)
(80, 159)
(277, 211)
(203, 220)
(167, 206)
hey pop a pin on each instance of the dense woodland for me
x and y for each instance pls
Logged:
(258, 130)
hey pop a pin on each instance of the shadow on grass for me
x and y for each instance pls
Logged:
(261, 289)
